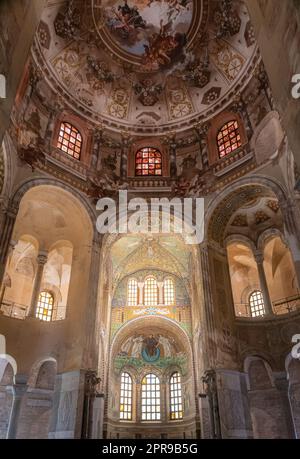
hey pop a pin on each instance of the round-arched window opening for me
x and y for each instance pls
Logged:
(148, 163)
(45, 305)
(256, 303)
(229, 138)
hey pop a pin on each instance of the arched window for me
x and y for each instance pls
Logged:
(229, 138)
(126, 397)
(44, 308)
(151, 398)
(150, 292)
(256, 302)
(70, 140)
(132, 292)
(176, 405)
(148, 162)
(169, 293)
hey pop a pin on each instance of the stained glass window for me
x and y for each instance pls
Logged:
(257, 306)
(126, 397)
(70, 140)
(148, 162)
(229, 138)
(176, 404)
(150, 292)
(151, 398)
(169, 293)
(132, 292)
(44, 308)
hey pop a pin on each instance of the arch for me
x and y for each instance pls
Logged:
(268, 234)
(43, 373)
(129, 328)
(239, 239)
(221, 208)
(30, 184)
(260, 376)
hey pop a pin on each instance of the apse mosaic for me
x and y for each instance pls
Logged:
(153, 30)
(155, 349)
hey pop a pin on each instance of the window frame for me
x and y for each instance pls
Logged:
(148, 150)
(172, 301)
(64, 124)
(156, 414)
(175, 397)
(129, 294)
(259, 309)
(40, 315)
(232, 141)
(126, 396)
(153, 303)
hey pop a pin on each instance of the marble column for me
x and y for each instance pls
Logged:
(210, 353)
(173, 162)
(19, 390)
(259, 258)
(240, 107)
(160, 286)
(12, 246)
(96, 156)
(91, 383)
(140, 293)
(126, 142)
(91, 349)
(6, 230)
(209, 379)
(202, 131)
(41, 261)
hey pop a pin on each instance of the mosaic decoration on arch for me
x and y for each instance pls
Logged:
(157, 350)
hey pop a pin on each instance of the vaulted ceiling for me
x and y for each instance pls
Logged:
(146, 66)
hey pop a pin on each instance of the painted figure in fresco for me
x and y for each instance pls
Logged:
(126, 346)
(150, 345)
(126, 20)
(163, 48)
(137, 347)
(167, 347)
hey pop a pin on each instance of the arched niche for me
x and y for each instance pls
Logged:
(151, 345)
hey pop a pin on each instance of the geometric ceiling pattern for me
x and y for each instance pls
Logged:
(146, 66)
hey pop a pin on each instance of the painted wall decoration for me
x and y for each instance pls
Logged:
(155, 349)
(180, 312)
(153, 30)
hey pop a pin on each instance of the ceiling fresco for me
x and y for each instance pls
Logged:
(146, 66)
(156, 31)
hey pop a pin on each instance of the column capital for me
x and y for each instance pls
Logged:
(259, 257)
(42, 257)
(20, 385)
